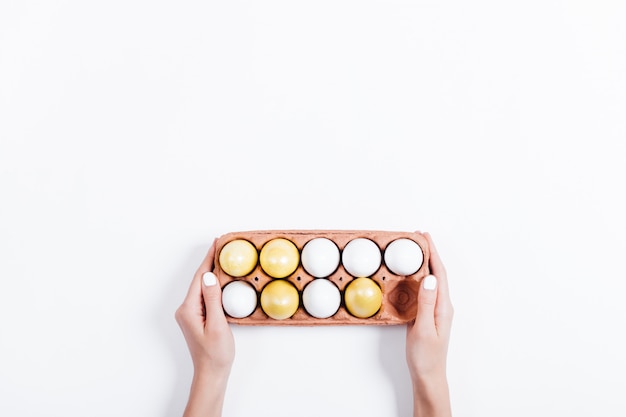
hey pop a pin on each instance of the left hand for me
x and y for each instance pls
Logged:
(202, 320)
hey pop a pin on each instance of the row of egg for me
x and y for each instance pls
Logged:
(321, 298)
(320, 257)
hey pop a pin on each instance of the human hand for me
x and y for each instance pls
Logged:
(209, 339)
(427, 341)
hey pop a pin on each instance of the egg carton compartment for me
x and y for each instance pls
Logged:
(399, 292)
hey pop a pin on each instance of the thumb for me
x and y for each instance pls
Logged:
(212, 294)
(426, 301)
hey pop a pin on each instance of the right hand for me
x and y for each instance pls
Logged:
(427, 341)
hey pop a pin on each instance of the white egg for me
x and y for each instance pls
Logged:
(320, 257)
(321, 298)
(403, 257)
(361, 257)
(239, 299)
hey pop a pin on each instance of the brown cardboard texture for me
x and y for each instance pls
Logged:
(399, 293)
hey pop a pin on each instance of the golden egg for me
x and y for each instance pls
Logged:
(279, 258)
(280, 299)
(238, 257)
(363, 297)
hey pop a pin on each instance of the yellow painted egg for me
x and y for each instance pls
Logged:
(238, 257)
(279, 258)
(280, 299)
(363, 297)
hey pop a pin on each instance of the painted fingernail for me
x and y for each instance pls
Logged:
(209, 279)
(430, 282)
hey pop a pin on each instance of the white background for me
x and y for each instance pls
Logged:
(135, 132)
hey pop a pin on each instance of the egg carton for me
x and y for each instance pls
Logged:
(399, 293)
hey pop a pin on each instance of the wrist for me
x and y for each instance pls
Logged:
(208, 390)
(210, 378)
(431, 396)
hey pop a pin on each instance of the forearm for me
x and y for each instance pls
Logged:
(206, 397)
(431, 398)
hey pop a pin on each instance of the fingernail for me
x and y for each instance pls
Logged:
(430, 283)
(209, 279)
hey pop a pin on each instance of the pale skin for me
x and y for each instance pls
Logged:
(212, 347)
(427, 342)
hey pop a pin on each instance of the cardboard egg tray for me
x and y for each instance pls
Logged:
(399, 303)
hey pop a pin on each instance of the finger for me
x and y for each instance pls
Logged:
(207, 263)
(426, 302)
(194, 294)
(212, 294)
(211, 290)
(438, 269)
(193, 300)
(436, 265)
(443, 309)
